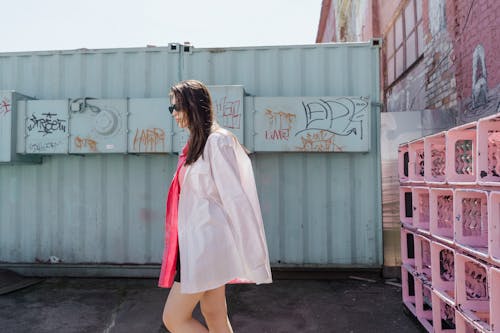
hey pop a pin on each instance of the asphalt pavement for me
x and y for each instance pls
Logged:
(112, 305)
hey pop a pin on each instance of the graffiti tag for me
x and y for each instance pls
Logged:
(321, 141)
(4, 106)
(343, 116)
(228, 112)
(47, 124)
(43, 147)
(149, 140)
(279, 125)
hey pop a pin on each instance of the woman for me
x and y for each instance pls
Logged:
(214, 230)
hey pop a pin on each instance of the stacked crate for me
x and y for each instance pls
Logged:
(450, 235)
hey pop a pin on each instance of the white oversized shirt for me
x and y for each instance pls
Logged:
(221, 233)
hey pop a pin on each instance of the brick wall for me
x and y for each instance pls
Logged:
(458, 34)
(407, 94)
(469, 31)
(327, 26)
(440, 67)
(475, 27)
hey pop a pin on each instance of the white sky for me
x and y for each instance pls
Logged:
(34, 25)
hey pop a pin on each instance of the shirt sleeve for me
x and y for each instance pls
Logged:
(246, 222)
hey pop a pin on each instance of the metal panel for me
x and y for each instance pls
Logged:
(6, 121)
(319, 209)
(11, 116)
(85, 209)
(150, 126)
(99, 126)
(46, 127)
(314, 124)
(228, 107)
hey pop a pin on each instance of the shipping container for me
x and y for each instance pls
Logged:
(103, 214)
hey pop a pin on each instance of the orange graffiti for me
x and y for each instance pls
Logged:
(86, 142)
(148, 140)
(321, 141)
(280, 124)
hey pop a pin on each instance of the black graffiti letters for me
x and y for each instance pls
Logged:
(341, 116)
(43, 147)
(47, 124)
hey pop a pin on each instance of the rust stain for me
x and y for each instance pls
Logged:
(147, 216)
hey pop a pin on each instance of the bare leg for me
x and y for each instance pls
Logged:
(178, 312)
(214, 309)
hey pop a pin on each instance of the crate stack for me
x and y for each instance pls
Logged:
(450, 235)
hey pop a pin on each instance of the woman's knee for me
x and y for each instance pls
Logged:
(213, 305)
(178, 308)
(172, 319)
(214, 314)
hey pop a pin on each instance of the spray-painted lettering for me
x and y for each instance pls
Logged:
(321, 141)
(43, 147)
(228, 112)
(149, 140)
(47, 124)
(279, 125)
(343, 116)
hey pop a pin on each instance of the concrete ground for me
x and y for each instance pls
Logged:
(67, 305)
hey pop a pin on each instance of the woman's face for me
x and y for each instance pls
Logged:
(179, 115)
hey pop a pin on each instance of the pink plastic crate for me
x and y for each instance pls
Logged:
(443, 271)
(494, 226)
(435, 158)
(406, 205)
(472, 289)
(495, 298)
(408, 247)
(408, 289)
(466, 325)
(443, 314)
(423, 304)
(420, 202)
(403, 162)
(423, 257)
(441, 214)
(416, 169)
(488, 147)
(471, 221)
(461, 154)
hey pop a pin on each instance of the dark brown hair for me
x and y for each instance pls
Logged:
(193, 98)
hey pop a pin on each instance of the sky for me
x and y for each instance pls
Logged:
(40, 25)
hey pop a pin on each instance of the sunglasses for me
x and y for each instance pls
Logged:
(173, 107)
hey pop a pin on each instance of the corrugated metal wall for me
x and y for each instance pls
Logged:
(318, 208)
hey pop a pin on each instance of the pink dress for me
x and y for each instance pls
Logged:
(170, 251)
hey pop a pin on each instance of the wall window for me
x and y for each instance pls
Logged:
(404, 40)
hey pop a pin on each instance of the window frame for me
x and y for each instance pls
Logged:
(392, 56)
